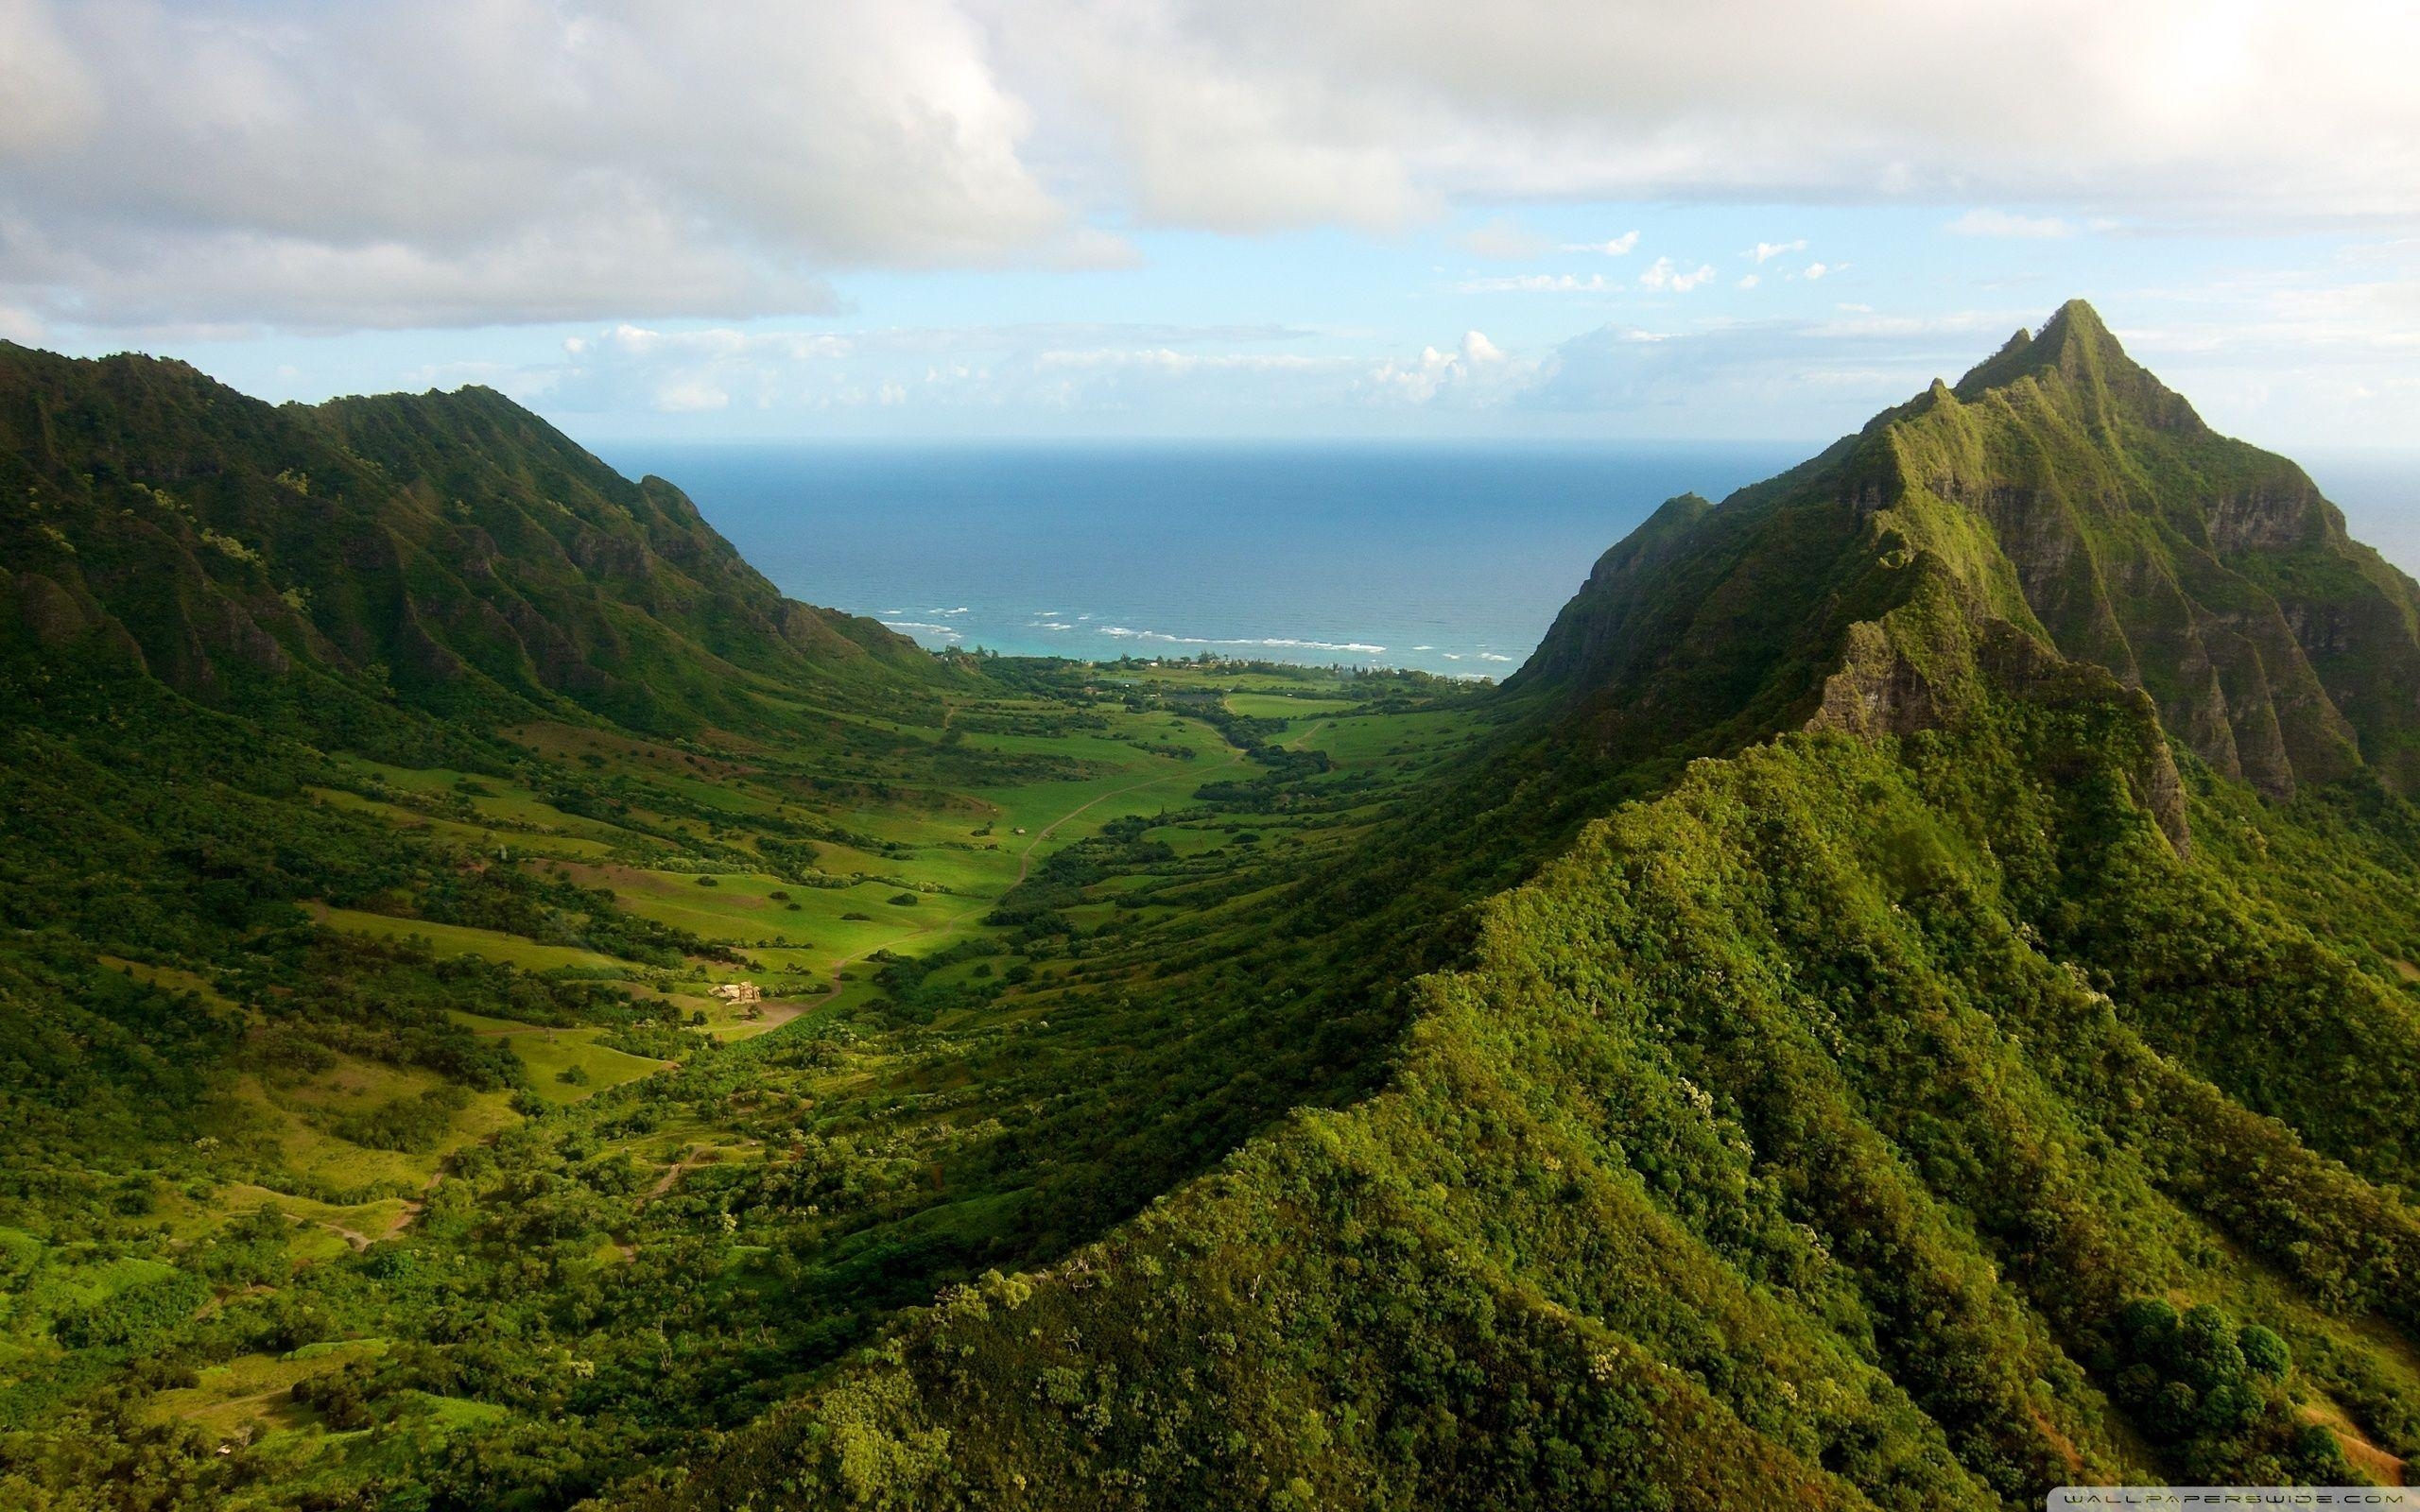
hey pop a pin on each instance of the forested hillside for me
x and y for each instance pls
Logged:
(491, 994)
(1978, 1071)
(2059, 490)
(445, 553)
(1910, 997)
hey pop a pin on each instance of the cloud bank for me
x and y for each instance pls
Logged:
(454, 164)
(450, 162)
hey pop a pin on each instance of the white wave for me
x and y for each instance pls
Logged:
(1490, 656)
(1424, 648)
(1273, 643)
(1049, 625)
(950, 630)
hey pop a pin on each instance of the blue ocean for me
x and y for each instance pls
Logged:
(1449, 558)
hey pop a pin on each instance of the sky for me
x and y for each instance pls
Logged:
(945, 219)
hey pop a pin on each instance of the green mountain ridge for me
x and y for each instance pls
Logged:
(1865, 1117)
(446, 554)
(1906, 1001)
(2058, 489)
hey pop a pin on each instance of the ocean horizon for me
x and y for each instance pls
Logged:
(1449, 558)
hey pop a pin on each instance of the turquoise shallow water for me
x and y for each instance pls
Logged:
(1451, 558)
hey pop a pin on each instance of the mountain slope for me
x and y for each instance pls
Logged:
(449, 554)
(2058, 488)
(1950, 1092)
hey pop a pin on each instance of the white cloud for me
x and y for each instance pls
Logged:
(2001, 223)
(1961, 332)
(2283, 358)
(1505, 240)
(1537, 283)
(1618, 247)
(2325, 355)
(1767, 252)
(50, 94)
(1749, 281)
(1366, 111)
(1162, 360)
(1192, 139)
(216, 164)
(1023, 372)
(688, 395)
(1478, 372)
(1760, 379)
(429, 162)
(1663, 274)
(1815, 270)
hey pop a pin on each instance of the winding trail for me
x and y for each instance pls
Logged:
(671, 1174)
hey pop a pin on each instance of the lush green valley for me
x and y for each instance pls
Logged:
(1907, 1000)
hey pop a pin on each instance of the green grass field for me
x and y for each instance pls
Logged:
(817, 874)
(461, 939)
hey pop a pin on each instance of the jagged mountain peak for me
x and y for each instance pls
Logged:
(2058, 497)
(2076, 350)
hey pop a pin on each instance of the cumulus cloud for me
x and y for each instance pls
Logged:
(1766, 252)
(225, 163)
(1618, 247)
(2001, 223)
(1361, 109)
(1188, 134)
(1663, 274)
(433, 162)
(1011, 371)
(1169, 361)
(2271, 356)
(1537, 283)
(1478, 372)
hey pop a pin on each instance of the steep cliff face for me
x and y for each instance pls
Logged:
(2206, 572)
(2059, 492)
(447, 553)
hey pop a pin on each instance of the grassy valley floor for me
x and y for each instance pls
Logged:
(794, 1066)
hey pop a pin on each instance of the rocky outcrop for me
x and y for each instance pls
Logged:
(1876, 692)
